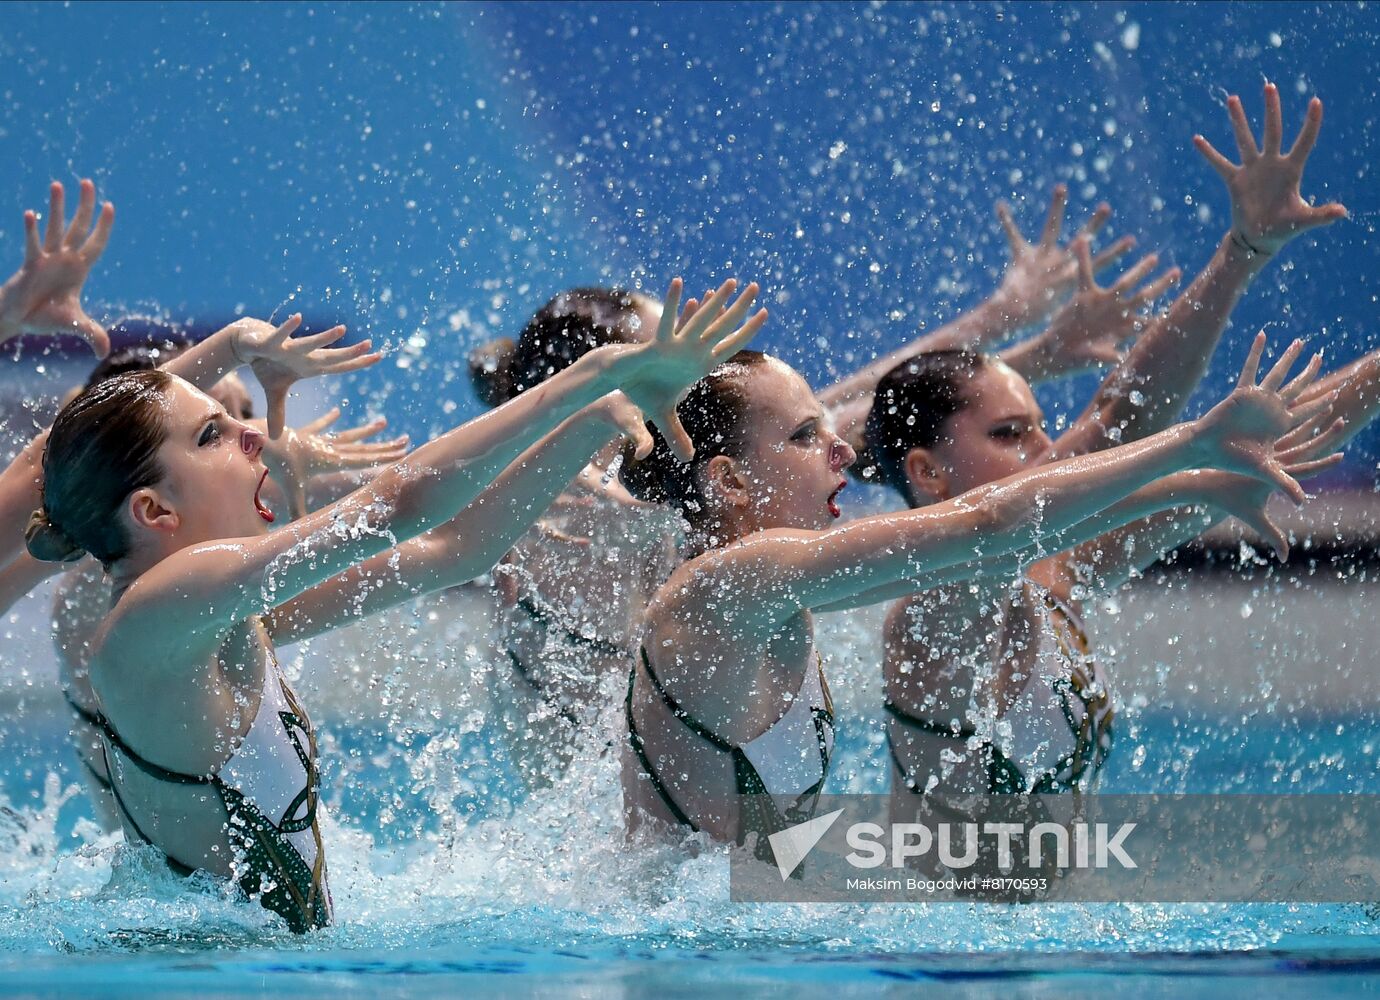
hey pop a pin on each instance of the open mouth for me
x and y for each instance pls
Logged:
(834, 499)
(263, 510)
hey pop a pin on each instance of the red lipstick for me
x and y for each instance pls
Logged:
(834, 499)
(259, 505)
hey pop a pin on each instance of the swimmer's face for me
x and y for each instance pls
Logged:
(793, 465)
(231, 393)
(999, 433)
(212, 471)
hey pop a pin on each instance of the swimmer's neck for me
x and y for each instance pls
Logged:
(720, 532)
(124, 573)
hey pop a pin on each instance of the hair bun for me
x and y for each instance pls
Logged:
(47, 542)
(490, 371)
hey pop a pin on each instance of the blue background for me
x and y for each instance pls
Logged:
(431, 175)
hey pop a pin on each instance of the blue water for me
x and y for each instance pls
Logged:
(481, 888)
(430, 174)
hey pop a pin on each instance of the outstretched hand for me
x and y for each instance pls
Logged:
(278, 359)
(1041, 274)
(1303, 452)
(656, 374)
(308, 451)
(44, 295)
(1267, 210)
(1243, 433)
(1094, 327)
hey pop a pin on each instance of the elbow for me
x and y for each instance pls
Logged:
(1006, 518)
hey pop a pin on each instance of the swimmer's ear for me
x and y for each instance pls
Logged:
(723, 480)
(149, 510)
(929, 481)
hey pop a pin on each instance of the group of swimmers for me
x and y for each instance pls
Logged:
(658, 506)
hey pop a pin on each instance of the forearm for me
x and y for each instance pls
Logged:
(21, 493)
(21, 575)
(1148, 390)
(1030, 358)
(996, 570)
(478, 537)
(465, 547)
(445, 475)
(818, 569)
(1126, 538)
(11, 324)
(1357, 386)
(206, 363)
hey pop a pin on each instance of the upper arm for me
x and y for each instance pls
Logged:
(774, 575)
(198, 593)
(1002, 567)
(380, 582)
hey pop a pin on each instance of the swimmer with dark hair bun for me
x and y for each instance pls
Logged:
(301, 456)
(574, 588)
(729, 716)
(994, 686)
(211, 757)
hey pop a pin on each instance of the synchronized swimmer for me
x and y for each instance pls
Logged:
(622, 425)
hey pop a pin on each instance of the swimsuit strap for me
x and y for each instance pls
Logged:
(100, 779)
(759, 812)
(548, 620)
(1003, 776)
(962, 732)
(147, 766)
(85, 714)
(635, 739)
(177, 867)
(545, 695)
(693, 724)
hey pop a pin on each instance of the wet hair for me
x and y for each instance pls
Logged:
(152, 353)
(910, 407)
(564, 330)
(102, 447)
(715, 415)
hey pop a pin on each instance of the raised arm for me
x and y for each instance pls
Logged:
(304, 453)
(1039, 277)
(776, 574)
(472, 542)
(21, 493)
(244, 577)
(1093, 327)
(1149, 390)
(22, 575)
(277, 358)
(44, 295)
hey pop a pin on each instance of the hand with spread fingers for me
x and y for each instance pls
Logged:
(1267, 209)
(1302, 453)
(1043, 273)
(299, 454)
(1245, 431)
(655, 375)
(44, 295)
(1095, 326)
(278, 359)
